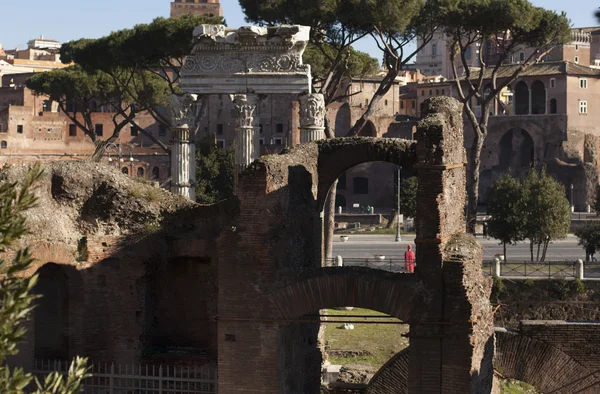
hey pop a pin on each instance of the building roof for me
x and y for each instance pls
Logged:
(544, 69)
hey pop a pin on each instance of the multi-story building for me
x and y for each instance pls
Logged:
(434, 58)
(40, 55)
(197, 7)
(32, 128)
(547, 117)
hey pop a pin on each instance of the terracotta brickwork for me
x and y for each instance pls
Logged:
(270, 275)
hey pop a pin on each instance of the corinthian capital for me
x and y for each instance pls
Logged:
(245, 110)
(312, 111)
(184, 109)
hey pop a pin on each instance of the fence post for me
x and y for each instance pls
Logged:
(339, 261)
(160, 374)
(496, 267)
(111, 380)
(579, 269)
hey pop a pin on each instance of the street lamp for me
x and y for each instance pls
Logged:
(398, 238)
(572, 203)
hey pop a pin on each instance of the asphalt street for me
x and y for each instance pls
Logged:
(367, 246)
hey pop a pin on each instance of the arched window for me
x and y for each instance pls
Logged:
(553, 106)
(125, 170)
(538, 98)
(140, 172)
(3, 145)
(155, 173)
(521, 97)
(434, 50)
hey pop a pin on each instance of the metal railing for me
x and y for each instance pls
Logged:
(139, 379)
(510, 269)
(390, 264)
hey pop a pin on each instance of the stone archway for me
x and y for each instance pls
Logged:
(369, 130)
(517, 151)
(521, 98)
(277, 244)
(338, 156)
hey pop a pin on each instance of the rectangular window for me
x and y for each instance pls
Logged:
(576, 47)
(46, 106)
(443, 92)
(220, 129)
(521, 56)
(72, 130)
(552, 82)
(414, 104)
(278, 141)
(261, 141)
(386, 103)
(260, 127)
(430, 92)
(583, 83)
(422, 93)
(133, 131)
(360, 185)
(468, 53)
(99, 130)
(437, 92)
(279, 128)
(20, 129)
(221, 144)
(401, 104)
(576, 59)
(162, 130)
(583, 107)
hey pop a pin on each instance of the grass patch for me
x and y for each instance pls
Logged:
(371, 344)
(510, 386)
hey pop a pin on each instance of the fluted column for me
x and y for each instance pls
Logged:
(183, 163)
(247, 144)
(185, 113)
(312, 117)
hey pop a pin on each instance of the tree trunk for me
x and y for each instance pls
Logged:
(473, 182)
(504, 251)
(537, 256)
(392, 219)
(374, 106)
(329, 222)
(99, 152)
(531, 248)
(544, 250)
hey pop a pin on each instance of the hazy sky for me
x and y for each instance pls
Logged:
(65, 20)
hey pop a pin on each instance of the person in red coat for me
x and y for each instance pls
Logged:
(409, 260)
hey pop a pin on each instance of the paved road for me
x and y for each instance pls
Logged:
(366, 246)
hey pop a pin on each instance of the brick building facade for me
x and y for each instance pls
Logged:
(197, 7)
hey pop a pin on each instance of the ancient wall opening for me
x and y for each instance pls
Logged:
(517, 152)
(55, 311)
(521, 98)
(538, 98)
(178, 306)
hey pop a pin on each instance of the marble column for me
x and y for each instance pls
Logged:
(185, 111)
(247, 143)
(183, 163)
(312, 117)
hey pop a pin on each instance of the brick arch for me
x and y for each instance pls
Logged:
(392, 377)
(540, 364)
(339, 155)
(394, 294)
(517, 357)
